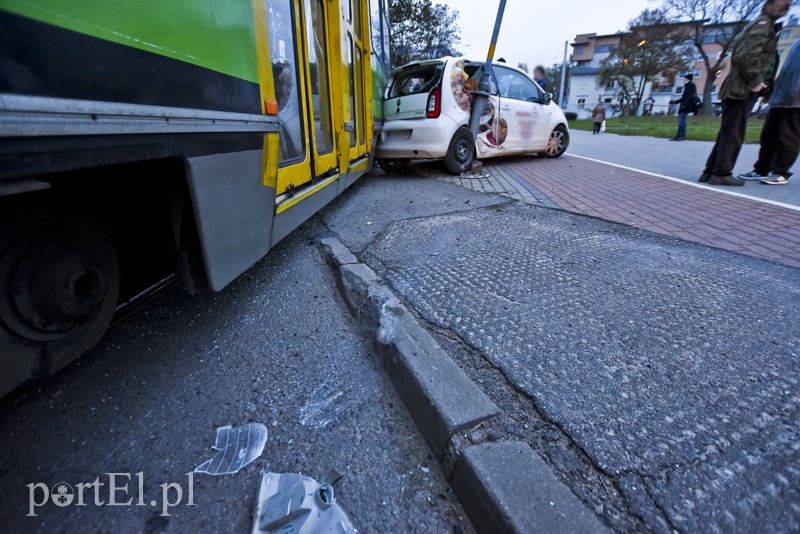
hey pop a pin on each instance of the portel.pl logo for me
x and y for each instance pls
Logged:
(113, 492)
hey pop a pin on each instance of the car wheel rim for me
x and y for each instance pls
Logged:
(461, 150)
(557, 143)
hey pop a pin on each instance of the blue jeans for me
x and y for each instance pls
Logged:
(681, 125)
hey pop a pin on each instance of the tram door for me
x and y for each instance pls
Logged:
(355, 55)
(301, 68)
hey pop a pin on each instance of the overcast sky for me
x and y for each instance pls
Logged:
(534, 31)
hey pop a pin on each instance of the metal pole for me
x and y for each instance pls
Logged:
(562, 93)
(482, 94)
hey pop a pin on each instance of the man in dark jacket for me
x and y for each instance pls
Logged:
(687, 105)
(754, 55)
(780, 137)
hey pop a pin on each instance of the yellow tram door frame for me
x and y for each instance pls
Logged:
(319, 27)
(289, 72)
(269, 106)
(356, 83)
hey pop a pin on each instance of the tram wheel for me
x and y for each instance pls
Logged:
(59, 285)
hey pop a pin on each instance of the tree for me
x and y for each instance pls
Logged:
(652, 48)
(713, 22)
(422, 30)
(553, 76)
(523, 66)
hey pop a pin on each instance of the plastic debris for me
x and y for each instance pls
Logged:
(474, 175)
(299, 504)
(237, 447)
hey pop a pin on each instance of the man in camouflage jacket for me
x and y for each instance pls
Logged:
(753, 65)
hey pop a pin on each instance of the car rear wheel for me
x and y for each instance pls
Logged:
(558, 142)
(461, 152)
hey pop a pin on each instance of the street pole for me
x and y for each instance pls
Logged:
(562, 93)
(482, 94)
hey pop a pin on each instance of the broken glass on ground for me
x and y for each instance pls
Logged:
(299, 504)
(236, 448)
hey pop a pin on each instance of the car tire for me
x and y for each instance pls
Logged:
(461, 152)
(392, 166)
(558, 142)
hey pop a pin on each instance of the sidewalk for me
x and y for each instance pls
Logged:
(657, 378)
(700, 214)
(683, 160)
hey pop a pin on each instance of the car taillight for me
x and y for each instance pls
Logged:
(435, 104)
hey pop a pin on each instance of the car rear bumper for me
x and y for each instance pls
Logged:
(418, 138)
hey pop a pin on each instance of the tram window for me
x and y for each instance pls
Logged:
(386, 36)
(318, 62)
(352, 88)
(380, 32)
(284, 69)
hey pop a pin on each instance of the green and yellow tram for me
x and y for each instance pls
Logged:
(141, 139)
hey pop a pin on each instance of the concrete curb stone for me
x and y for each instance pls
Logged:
(503, 487)
(439, 396)
(506, 487)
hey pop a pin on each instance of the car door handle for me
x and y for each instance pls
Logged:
(506, 108)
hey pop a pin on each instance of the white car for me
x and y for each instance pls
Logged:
(427, 109)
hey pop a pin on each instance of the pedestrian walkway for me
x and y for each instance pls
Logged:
(683, 160)
(699, 214)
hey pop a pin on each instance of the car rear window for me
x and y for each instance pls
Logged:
(415, 80)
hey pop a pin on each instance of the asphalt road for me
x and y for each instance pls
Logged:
(276, 347)
(659, 378)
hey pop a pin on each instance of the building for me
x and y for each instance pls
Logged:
(590, 51)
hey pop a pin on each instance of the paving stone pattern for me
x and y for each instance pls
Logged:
(702, 215)
(674, 367)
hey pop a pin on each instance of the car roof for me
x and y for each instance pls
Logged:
(438, 61)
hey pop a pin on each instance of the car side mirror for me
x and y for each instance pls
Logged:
(548, 97)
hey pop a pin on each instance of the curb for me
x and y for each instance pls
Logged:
(438, 395)
(503, 487)
(506, 487)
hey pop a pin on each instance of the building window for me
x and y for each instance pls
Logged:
(713, 89)
(604, 49)
(578, 50)
(678, 90)
(610, 85)
(581, 103)
(698, 73)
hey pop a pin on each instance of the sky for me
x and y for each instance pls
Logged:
(533, 31)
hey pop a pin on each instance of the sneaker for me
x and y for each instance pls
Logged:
(775, 179)
(704, 177)
(752, 175)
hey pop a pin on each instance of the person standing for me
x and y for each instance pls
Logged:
(538, 77)
(780, 137)
(688, 104)
(598, 116)
(753, 64)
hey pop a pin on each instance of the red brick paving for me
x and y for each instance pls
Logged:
(666, 207)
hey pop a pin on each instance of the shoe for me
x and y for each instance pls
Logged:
(679, 139)
(704, 177)
(675, 139)
(752, 175)
(724, 180)
(775, 179)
